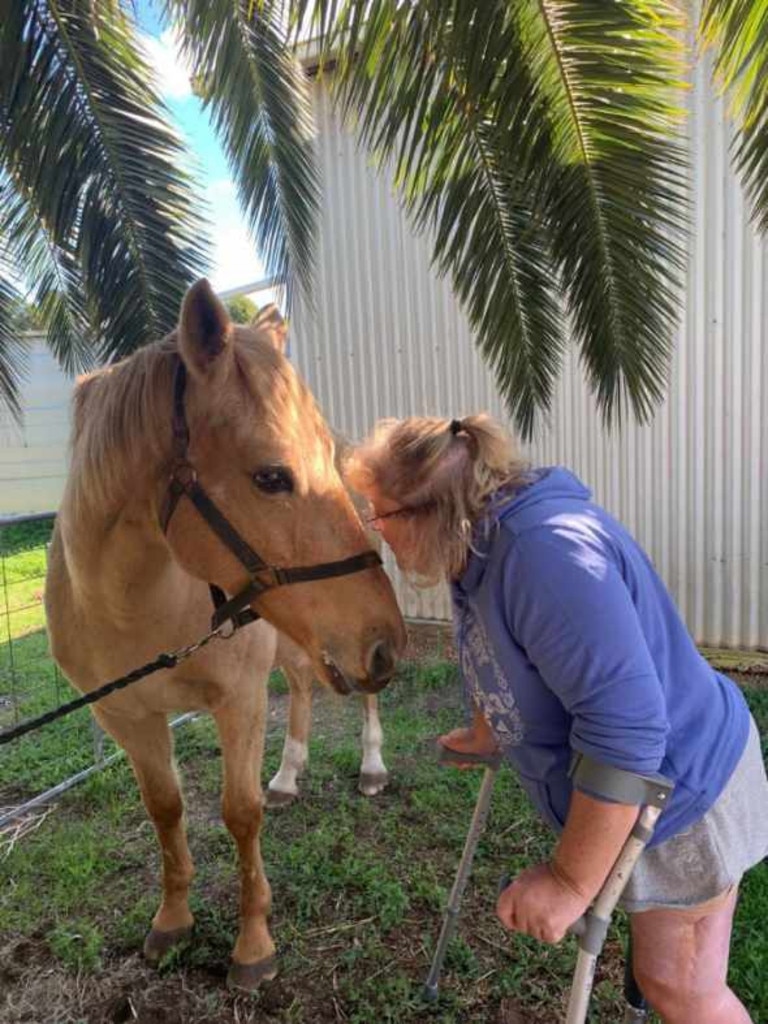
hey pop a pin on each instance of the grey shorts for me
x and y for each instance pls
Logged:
(709, 857)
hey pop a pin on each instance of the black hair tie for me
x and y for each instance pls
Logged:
(455, 427)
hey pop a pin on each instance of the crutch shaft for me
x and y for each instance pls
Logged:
(479, 817)
(592, 931)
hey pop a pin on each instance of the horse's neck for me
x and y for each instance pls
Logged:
(118, 560)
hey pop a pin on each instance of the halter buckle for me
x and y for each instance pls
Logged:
(183, 473)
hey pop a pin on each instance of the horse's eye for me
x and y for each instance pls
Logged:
(273, 479)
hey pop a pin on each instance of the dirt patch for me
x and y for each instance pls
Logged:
(510, 1013)
(430, 641)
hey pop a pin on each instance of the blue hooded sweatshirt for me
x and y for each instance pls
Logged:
(568, 641)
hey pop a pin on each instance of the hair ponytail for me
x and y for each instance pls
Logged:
(453, 466)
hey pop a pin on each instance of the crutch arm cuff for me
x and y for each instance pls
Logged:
(605, 782)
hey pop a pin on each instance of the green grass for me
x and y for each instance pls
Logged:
(30, 684)
(358, 885)
(22, 573)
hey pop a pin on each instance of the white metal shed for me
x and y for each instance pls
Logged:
(387, 338)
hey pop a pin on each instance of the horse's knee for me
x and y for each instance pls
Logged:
(242, 818)
(165, 810)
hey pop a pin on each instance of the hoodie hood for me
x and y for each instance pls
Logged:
(551, 491)
(552, 483)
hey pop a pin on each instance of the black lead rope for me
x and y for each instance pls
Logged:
(161, 661)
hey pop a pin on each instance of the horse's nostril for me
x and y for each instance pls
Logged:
(381, 662)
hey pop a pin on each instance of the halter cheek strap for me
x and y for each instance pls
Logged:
(263, 577)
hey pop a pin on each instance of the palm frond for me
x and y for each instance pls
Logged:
(534, 139)
(617, 198)
(56, 288)
(13, 356)
(85, 135)
(260, 106)
(738, 31)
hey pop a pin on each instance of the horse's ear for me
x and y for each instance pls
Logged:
(205, 331)
(270, 324)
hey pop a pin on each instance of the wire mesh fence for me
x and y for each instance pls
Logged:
(37, 767)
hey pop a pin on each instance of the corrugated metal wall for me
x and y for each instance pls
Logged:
(33, 456)
(387, 339)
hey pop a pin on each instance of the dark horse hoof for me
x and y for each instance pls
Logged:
(372, 783)
(277, 798)
(158, 943)
(248, 977)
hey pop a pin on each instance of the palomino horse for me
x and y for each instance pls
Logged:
(204, 459)
(297, 667)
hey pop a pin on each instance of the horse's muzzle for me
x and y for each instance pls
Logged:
(380, 666)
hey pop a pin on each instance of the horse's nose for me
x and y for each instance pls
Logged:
(380, 664)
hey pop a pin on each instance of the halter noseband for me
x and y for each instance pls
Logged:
(263, 576)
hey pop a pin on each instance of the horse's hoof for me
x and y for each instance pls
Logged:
(372, 783)
(279, 798)
(158, 943)
(248, 977)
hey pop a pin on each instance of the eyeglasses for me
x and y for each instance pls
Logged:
(398, 513)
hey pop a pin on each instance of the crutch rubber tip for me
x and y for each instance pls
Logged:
(430, 993)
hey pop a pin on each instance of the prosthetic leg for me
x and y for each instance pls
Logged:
(637, 1009)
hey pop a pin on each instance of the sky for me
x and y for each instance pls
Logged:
(235, 258)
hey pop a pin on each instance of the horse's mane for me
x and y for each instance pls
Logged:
(121, 418)
(122, 413)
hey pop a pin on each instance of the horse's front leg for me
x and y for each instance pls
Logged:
(283, 788)
(373, 772)
(148, 743)
(241, 730)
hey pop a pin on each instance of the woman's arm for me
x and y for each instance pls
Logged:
(545, 900)
(594, 834)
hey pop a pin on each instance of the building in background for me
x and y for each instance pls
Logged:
(386, 338)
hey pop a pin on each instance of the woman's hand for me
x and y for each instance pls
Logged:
(478, 741)
(540, 904)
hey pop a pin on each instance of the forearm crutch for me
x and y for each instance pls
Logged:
(651, 793)
(479, 816)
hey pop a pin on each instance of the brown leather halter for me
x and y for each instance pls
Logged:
(263, 577)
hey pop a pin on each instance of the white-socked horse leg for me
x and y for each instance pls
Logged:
(373, 771)
(284, 788)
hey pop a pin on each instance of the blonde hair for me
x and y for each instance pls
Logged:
(450, 468)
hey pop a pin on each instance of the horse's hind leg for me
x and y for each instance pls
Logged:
(241, 731)
(297, 668)
(148, 744)
(373, 771)
(283, 788)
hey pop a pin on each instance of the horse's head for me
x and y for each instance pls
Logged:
(263, 454)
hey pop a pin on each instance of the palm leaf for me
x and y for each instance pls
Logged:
(738, 30)
(534, 139)
(617, 195)
(56, 290)
(260, 107)
(84, 135)
(13, 356)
